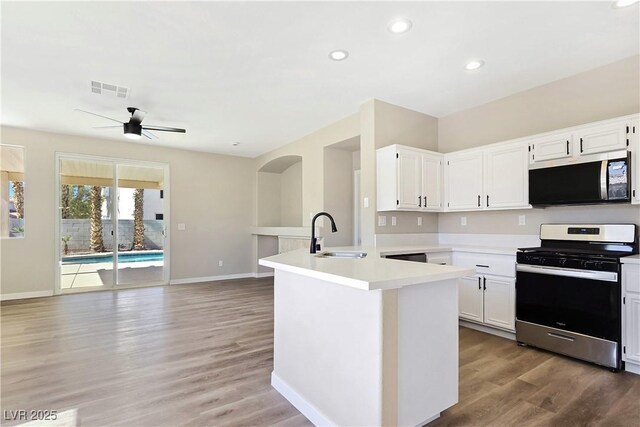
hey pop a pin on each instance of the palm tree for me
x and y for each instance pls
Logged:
(138, 224)
(96, 243)
(65, 200)
(18, 197)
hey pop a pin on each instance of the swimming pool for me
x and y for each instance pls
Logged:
(123, 257)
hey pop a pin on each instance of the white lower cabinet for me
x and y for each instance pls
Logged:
(470, 298)
(631, 314)
(499, 302)
(488, 297)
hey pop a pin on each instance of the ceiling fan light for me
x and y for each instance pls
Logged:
(132, 130)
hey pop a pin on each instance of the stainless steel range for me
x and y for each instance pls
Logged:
(568, 290)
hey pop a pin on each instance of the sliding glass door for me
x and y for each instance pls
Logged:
(111, 217)
(140, 225)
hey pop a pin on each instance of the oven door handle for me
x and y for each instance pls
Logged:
(606, 276)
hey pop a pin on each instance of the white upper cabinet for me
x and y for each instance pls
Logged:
(600, 139)
(551, 147)
(431, 181)
(408, 179)
(463, 180)
(492, 178)
(506, 176)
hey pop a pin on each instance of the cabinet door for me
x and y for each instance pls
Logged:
(499, 302)
(507, 176)
(631, 312)
(632, 327)
(634, 146)
(470, 298)
(431, 182)
(551, 147)
(464, 181)
(600, 139)
(409, 179)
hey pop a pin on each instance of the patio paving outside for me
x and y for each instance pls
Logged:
(82, 275)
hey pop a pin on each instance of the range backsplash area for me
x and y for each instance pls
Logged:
(507, 221)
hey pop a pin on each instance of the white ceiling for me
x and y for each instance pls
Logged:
(258, 72)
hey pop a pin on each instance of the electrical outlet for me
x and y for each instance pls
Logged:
(522, 220)
(419, 221)
(220, 263)
(382, 221)
(366, 202)
(182, 227)
(393, 221)
(463, 220)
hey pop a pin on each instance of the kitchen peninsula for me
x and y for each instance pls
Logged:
(365, 341)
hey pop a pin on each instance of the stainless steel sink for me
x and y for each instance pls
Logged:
(342, 254)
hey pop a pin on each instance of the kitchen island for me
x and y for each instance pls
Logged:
(365, 341)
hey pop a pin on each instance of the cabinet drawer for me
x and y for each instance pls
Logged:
(631, 277)
(499, 265)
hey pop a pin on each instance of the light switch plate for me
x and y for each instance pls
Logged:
(382, 221)
(522, 220)
(220, 263)
(419, 221)
(182, 227)
(393, 221)
(366, 202)
(463, 220)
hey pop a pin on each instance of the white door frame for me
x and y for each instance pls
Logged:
(357, 210)
(115, 161)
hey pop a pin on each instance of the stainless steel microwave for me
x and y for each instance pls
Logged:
(601, 181)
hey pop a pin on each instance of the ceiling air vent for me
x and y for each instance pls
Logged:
(109, 89)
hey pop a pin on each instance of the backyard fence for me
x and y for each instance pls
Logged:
(78, 232)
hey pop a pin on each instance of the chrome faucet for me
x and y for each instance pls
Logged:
(315, 246)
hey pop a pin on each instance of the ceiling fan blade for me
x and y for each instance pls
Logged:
(99, 115)
(149, 134)
(107, 127)
(164, 129)
(138, 115)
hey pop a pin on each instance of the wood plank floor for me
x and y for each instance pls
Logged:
(201, 355)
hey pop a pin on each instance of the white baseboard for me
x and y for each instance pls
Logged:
(307, 409)
(23, 295)
(261, 275)
(632, 367)
(486, 329)
(219, 278)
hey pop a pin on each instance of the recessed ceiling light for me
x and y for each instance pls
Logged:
(339, 55)
(400, 25)
(474, 65)
(624, 3)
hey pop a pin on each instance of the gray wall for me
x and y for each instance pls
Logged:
(599, 94)
(211, 194)
(602, 93)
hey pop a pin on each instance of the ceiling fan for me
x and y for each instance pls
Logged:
(133, 129)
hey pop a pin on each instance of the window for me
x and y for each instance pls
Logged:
(12, 191)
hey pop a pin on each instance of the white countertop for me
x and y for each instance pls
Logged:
(633, 259)
(369, 273)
